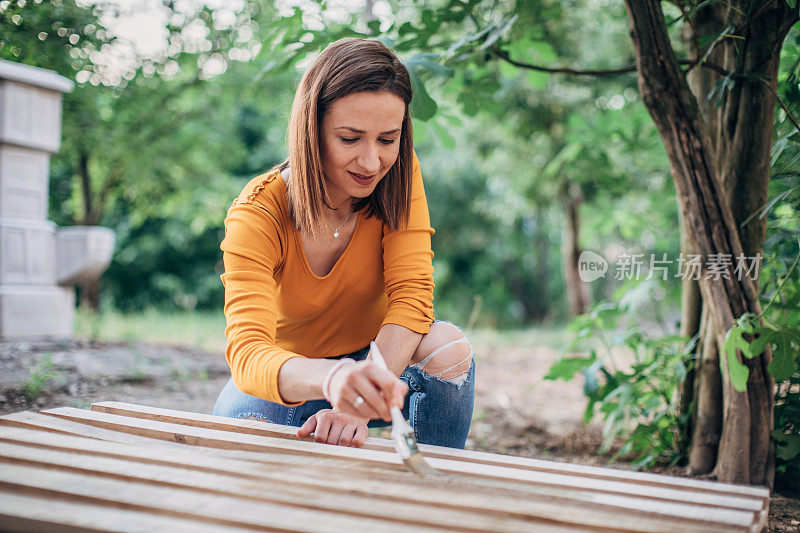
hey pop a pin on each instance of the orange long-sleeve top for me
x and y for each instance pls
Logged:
(276, 308)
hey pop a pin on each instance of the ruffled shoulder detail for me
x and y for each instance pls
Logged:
(265, 179)
(254, 191)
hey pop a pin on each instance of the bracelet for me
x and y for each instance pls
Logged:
(326, 383)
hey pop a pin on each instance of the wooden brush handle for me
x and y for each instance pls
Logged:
(377, 356)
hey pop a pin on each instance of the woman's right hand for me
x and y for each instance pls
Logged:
(378, 387)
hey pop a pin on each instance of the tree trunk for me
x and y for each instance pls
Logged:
(708, 402)
(744, 450)
(90, 295)
(691, 313)
(577, 292)
(86, 187)
(703, 385)
(542, 276)
(745, 141)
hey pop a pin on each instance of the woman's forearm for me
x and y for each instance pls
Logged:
(300, 378)
(397, 344)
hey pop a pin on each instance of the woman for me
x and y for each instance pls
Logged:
(330, 250)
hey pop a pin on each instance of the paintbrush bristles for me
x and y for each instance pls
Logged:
(402, 433)
(416, 463)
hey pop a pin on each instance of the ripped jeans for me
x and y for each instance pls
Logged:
(440, 411)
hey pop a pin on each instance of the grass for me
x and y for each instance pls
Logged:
(203, 329)
(554, 337)
(206, 329)
(40, 375)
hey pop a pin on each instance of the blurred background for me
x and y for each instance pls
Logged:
(178, 104)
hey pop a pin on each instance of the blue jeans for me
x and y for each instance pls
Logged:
(439, 411)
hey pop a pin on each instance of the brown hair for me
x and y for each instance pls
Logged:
(346, 66)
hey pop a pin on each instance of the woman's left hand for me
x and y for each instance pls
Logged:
(334, 427)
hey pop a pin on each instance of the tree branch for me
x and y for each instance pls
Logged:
(690, 22)
(780, 102)
(502, 54)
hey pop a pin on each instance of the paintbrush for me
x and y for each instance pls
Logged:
(402, 433)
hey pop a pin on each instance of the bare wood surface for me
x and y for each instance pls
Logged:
(345, 503)
(438, 495)
(257, 427)
(186, 503)
(190, 467)
(657, 500)
(26, 512)
(152, 427)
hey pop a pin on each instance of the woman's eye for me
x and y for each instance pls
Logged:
(351, 140)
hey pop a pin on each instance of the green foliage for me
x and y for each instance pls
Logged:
(159, 153)
(39, 377)
(43, 34)
(787, 433)
(492, 256)
(631, 383)
(784, 342)
(205, 329)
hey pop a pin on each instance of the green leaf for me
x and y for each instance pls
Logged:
(531, 50)
(469, 104)
(721, 87)
(423, 106)
(428, 61)
(785, 361)
(590, 384)
(788, 445)
(537, 79)
(738, 372)
(507, 70)
(567, 367)
(784, 357)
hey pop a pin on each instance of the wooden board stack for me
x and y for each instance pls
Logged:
(124, 467)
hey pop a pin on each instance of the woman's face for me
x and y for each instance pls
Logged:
(360, 142)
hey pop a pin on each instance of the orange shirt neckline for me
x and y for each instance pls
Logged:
(299, 241)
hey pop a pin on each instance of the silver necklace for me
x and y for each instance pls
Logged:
(336, 230)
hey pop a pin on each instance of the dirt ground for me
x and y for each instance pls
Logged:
(516, 412)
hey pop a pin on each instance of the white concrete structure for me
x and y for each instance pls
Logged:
(39, 263)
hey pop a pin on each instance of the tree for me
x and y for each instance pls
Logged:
(719, 185)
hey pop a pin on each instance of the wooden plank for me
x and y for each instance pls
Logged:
(377, 476)
(413, 514)
(24, 512)
(658, 501)
(256, 427)
(194, 436)
(186, 503)
(477, 469)
(468, 498)
(38, 421)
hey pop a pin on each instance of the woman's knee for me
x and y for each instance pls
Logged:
(233, 403)
(444, 352)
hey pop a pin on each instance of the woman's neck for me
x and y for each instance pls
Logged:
(338, 209)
